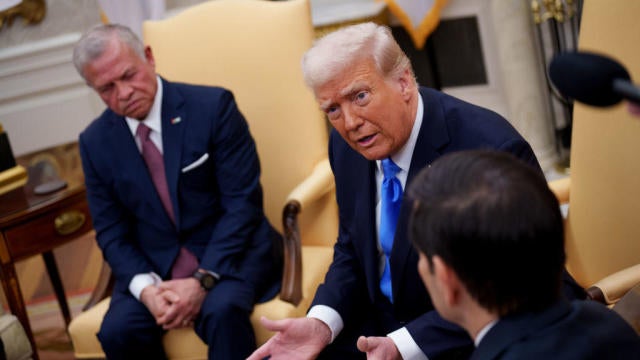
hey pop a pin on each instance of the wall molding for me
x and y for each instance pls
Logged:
(43, 101)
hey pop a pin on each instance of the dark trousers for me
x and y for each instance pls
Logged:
(129, 331)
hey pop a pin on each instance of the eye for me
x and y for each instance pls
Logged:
(333, 112)
(105, 89)
(128, 75)
(362, 98)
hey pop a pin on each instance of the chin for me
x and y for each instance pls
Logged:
(374, 155)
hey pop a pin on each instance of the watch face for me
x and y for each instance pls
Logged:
(207, 281)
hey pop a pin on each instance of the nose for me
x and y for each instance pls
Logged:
(124, 91)
(351, 120)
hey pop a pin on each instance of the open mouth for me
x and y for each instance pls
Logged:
(366, 140)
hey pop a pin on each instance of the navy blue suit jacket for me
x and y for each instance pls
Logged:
(217, 204)
(579, 330)
(448, 125)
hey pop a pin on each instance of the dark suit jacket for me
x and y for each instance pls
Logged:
(448, 125)
(217, 204)
(579, 330)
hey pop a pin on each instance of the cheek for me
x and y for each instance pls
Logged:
(108, 99)
(339, 126)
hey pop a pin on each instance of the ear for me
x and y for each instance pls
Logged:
(148, 54)
(450, 285)
(406, 83)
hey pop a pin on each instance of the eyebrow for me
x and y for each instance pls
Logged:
(348, 90)
(351, 88)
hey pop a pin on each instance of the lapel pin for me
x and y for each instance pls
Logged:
(175, 120)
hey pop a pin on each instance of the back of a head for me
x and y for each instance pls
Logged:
(95, 41)
(339, 50)
(494, 220)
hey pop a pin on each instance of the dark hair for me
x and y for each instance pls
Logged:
(495, 221)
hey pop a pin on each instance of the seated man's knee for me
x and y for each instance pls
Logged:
(129, 332)
(226, 306)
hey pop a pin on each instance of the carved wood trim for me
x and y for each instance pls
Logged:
(32, 11)
(291, 290)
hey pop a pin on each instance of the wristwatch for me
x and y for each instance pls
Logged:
(207, 280)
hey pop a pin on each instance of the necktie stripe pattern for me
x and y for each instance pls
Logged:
(391, 198)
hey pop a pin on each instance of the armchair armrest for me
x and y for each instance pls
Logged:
(560, 188)
(613, 287)
(103, 289)
(319, 183)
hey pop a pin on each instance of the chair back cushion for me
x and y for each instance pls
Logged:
(254, 48)
(603, 225)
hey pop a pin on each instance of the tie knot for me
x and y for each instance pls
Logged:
(143, 131)
(389, 168)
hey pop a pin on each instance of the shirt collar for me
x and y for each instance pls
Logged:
(483, 332)
(153, 119)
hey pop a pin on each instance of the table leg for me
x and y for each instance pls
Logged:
(54, 276)
(13, 294)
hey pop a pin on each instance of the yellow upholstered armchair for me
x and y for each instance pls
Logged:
(254, 48)
(603, 221)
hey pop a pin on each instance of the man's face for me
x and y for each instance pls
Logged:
(373, 114)
(125, 82)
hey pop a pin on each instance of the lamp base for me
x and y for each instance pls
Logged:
(12, 178)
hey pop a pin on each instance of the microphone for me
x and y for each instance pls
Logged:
(592, 79)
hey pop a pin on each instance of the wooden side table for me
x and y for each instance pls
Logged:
(32, 224)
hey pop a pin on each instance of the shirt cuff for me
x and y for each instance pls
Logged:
(141, 281)
(407, 347)
(328, 316)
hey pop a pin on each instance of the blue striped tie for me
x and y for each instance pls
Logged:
(391, 197)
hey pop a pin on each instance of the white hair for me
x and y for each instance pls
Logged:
(340, 49)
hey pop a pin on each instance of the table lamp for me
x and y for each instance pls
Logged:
(11, 174)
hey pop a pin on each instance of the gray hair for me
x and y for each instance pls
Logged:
(342, 48)
(95, 41)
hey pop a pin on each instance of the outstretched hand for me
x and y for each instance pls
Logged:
(378, 348)
(299, 338)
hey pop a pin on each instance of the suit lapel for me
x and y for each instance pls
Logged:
(433, 136)
(173, 125)
(366, 208)
(124, 147)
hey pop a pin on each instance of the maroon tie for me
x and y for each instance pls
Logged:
(155, 164)
(186, 263)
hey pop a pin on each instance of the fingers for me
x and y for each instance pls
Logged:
(170, 296)
(168, 316)
(273, 325)
(363, 344)
(262, 352)
(178, 322)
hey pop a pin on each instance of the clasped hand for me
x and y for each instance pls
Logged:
(174, 303)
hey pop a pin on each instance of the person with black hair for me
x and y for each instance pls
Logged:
(490, 238)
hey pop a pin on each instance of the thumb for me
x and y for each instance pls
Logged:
(273, 325)
(363, 344)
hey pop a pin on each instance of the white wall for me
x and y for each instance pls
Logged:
(43, 101)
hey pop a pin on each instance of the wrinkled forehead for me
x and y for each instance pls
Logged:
(345, 71)
(347, 79)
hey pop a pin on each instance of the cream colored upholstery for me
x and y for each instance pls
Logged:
(603, 224)
(254, 48)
